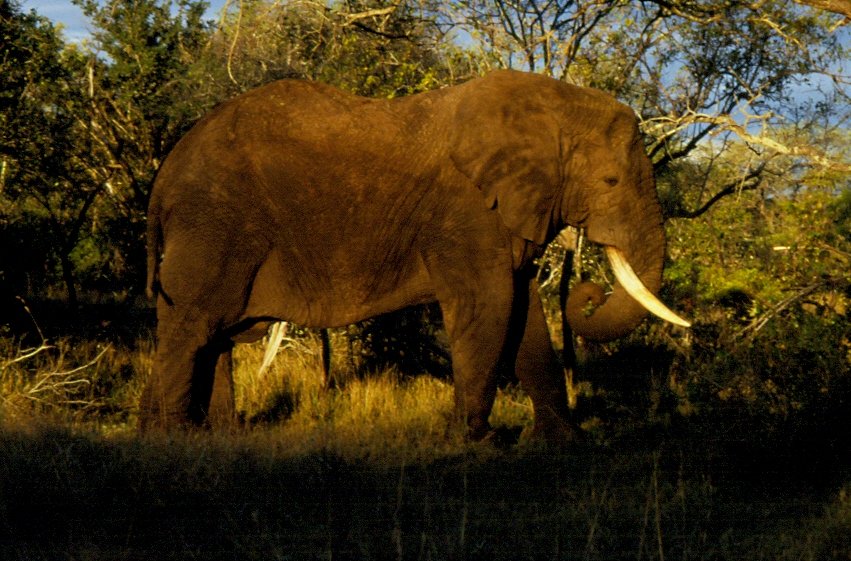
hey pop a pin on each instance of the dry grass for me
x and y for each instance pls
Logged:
(96, 387)
(374, 469)
(382, 415)
(92, 383)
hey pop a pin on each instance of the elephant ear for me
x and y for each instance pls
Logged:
(509, 147)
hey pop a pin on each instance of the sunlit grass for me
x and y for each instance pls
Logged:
(384, 415)
(377, 415)
(91, 383)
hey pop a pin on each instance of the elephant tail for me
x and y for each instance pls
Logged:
(154, 231)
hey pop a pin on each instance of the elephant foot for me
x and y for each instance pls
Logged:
(503, 438)
(478, 430)
(558, 433)
(157, 422)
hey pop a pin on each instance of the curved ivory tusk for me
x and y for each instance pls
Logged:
(276, 336)
(633, 285)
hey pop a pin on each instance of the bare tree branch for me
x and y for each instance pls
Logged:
(748, 182)
(841, 7)
(663, 128)
(758, 323)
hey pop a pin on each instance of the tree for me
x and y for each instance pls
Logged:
(693, 71)
(372, 48)
(137, 105)
(44, 182)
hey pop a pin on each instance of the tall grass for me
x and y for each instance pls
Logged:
(378, 415)
(96, 386)
(377, 468)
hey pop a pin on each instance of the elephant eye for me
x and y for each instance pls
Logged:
(611, 181)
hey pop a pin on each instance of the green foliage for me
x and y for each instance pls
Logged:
(368, 48)
(81, 138)
(766, 280)
(766, 245)
(411, 341)
(45, 178)
(137, 82)
(842, 210)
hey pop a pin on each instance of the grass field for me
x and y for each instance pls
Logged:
(375, 469)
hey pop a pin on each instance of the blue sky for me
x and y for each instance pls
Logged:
(61, 11)
(75, 25)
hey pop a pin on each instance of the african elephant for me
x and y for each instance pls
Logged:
(296, 201)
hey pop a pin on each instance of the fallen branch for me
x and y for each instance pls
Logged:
(757, 324)
(55, 387)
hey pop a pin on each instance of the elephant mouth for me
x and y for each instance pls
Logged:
(634, 287)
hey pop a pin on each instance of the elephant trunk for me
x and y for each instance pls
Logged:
(637, 255)
(598, 317)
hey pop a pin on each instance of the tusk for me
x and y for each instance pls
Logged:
(635, 288)
(276, 336)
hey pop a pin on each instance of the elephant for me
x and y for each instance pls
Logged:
(297, 201)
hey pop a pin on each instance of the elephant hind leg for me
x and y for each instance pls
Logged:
(191, 382)
(166, 399)
(173, 397)
(189, 386)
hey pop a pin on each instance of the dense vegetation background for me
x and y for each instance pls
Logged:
(725, 441)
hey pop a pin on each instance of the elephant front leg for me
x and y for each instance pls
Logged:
(477, 330)
(475, 386)
(538, 369)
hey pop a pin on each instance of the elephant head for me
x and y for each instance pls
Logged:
(620, 210)
(558, 155)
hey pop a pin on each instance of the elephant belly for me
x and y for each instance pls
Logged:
(335, 292)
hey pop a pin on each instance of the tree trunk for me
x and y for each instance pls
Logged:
(68, 278)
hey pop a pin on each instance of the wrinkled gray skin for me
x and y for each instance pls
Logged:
(296, 201)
